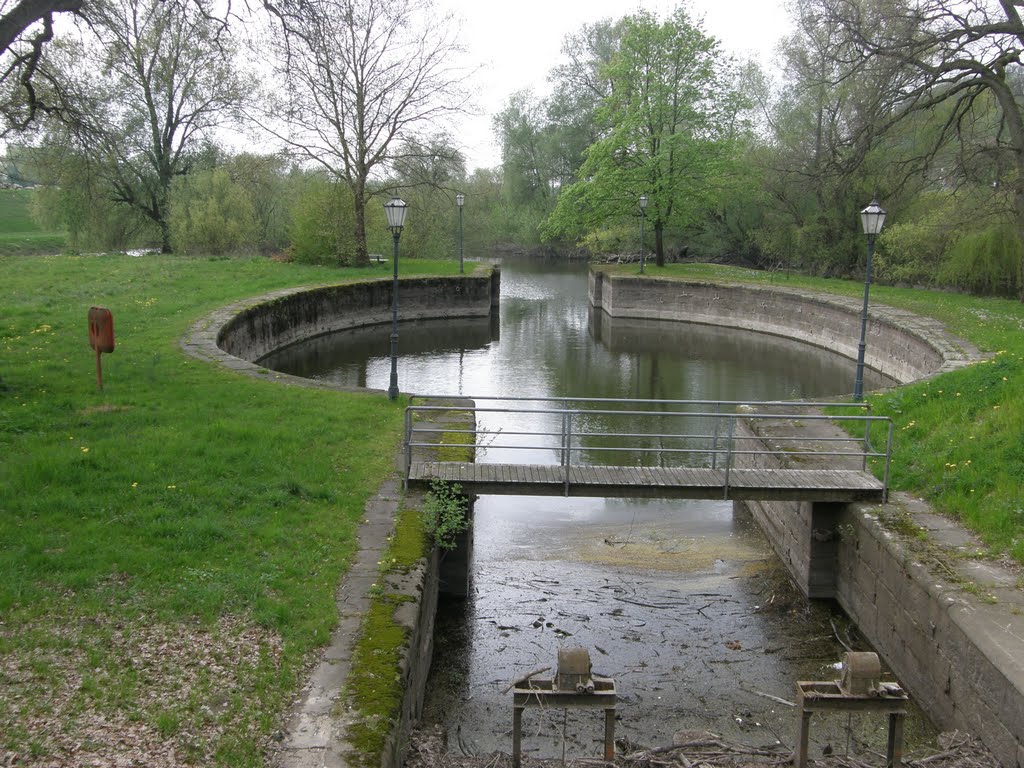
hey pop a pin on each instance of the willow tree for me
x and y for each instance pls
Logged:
(669, 113)
(361, 79)
(144, 85)
(956, 63)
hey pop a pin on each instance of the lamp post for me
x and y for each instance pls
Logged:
(872, 218)
(643, 218)
(460, 200)
(395, 210)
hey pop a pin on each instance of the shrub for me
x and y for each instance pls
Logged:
(210, 213)
(445, 513)
(323, 223)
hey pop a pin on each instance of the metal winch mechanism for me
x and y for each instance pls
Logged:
(574, 686)
(858, 689)
(574, 671)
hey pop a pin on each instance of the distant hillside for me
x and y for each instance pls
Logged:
(18, 233)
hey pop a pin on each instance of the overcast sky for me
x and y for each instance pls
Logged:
(517, 43)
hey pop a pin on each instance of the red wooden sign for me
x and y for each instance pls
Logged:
(101, 336)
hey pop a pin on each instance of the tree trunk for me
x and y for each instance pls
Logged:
(165, 236)
(361, 258)
(659, 243)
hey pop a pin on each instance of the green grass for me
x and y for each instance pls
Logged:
(959, 437)
(374, 686)
(182, 499)
(19, 234)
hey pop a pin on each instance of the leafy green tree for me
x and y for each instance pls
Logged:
(430, 174)
(580, 84)
(147, 82)
(670, 122)
(79, 201)
(957, 63)
(270, 185)
(211, 213)
(322, 222)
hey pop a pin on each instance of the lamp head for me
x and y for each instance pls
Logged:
(395, 209)
(872, 218)
(643, 202)
(460, 199)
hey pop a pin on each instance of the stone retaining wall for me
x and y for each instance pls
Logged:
(899, 344)
(266, 326)
(951, 628)
(239, 335)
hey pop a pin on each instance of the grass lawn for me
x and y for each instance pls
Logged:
(19, 234)
(960, 436)
(169, 546)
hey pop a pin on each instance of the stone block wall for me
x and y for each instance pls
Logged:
(899, 344)
(264, 325)
(959, 653)
(417, 616)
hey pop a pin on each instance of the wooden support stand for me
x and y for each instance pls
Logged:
(542, 693)
(828, 697)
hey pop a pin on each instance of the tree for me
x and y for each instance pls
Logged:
(211, 213)
(26, 29)
(953, 60)
(148, 81)
(359, 76)
(814, 164)
(669, 116)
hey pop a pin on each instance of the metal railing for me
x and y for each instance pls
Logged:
(574, 431)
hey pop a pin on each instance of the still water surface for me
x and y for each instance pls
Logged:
(682, 603)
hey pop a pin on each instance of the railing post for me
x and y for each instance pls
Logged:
(408, 446)
(567, 450)
(728, 456)
(867, 436)
(714, 441)
(888, 459)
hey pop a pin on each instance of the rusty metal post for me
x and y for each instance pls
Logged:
(802, 738)
(517, 736)
(894, 747)
(609, 734)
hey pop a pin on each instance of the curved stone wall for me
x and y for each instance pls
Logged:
(899, 344)
(241, 334)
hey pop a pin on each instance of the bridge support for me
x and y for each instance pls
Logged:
(455, 579)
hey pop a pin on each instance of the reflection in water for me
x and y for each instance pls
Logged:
(681, 602)
(549, 345)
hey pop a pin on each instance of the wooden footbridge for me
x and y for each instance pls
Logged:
(680, 449)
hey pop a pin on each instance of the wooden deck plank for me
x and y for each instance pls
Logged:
(671, 482)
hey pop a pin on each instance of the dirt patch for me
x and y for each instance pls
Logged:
(104, 691)
(696, 749)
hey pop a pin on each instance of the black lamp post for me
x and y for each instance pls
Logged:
(643, 218)
(460, 200)
(872, 218)
(395, 209)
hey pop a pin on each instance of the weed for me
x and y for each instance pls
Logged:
(445, 513)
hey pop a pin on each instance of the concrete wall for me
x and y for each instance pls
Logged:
(417, 616)
(899, 344)
(959, 652)
(267, 325)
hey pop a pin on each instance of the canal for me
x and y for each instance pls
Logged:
(682, 603)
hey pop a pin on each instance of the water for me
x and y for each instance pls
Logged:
(682, 603)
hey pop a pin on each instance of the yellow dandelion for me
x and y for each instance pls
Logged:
(84, 449)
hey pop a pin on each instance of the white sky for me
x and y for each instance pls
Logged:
(517, 43)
